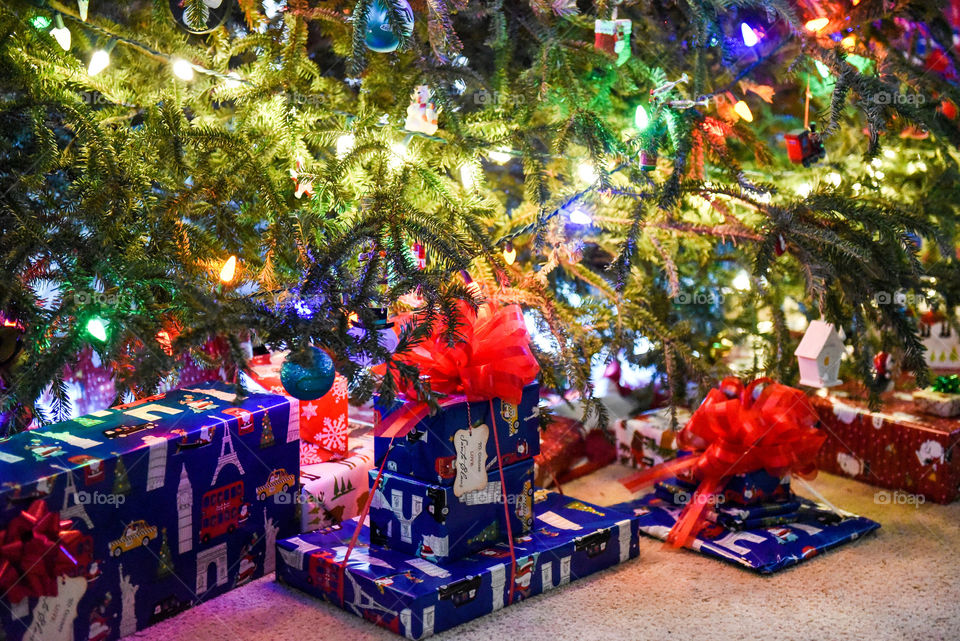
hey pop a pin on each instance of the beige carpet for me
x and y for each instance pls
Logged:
(902, 582)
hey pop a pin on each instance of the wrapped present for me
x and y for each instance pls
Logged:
(748, 489)
(896, 447)
(121, 518)
(765, 548)
(431, 449)
(649, 439)
(416, 598)
(942, 399)
(439, 523)
(334, 490)
(733, 516)
(568, 451)
(738, 432)
(323, 422)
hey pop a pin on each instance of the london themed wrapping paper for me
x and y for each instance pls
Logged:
(174, 499)
(763, 549)
(648, 439)
(752, 488)
(433, 522)
(416, 598)
(429, 451)
(323, 422)
(896, 448)
(736, 517)
(335, 490)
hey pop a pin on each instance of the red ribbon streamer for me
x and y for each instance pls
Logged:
(492, 361)
(35, 549)
(737, 430)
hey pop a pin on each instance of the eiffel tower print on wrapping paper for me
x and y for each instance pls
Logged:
(228, 454)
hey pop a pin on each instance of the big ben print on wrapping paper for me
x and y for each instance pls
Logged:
(159, 504)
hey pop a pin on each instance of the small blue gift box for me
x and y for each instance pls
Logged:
(416, 598)
(178, 498)
(431, 521)
(430, 450)
(766, 550)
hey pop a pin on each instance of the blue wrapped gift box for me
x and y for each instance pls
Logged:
(429, 451)
(416, 598)
(764, 549)
(178, 498)
(431, 521)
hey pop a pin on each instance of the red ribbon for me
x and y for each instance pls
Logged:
(492, 361)
(737, 430)
(35, 549)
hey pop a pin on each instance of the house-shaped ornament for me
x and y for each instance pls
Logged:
(819, 355)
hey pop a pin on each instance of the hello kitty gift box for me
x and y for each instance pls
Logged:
(121, 518)
(897, 447)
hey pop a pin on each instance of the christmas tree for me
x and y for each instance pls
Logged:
(266, 435)
(657, 183)
(165, 558)
(121, 481)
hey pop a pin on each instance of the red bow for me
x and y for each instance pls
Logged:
(35, 549)
(737, 430)
(492, 361)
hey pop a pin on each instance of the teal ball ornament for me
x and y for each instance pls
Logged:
(309, 382)
(380, 36)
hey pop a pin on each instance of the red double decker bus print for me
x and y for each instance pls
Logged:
(223, 511)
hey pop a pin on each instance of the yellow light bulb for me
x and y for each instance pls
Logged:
(228, 270)
(817, 24)
(849, 43)
(182, 69)
(509, 253)
(743, 110)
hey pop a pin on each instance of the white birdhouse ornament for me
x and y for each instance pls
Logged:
(819, 355)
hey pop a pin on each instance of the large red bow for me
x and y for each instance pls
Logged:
(35, 549)
(736, 430)
(492, 361)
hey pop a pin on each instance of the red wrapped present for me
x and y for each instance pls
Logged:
(568, 451)
(897, 447)
(323, 422)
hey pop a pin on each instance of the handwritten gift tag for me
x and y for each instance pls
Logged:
(471, 448)
(53, 616)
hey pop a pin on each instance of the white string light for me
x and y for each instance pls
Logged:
(182, 69)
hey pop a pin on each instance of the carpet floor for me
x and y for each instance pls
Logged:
(899, 583)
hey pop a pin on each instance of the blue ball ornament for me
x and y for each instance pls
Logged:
(310, 382)
(380, 37)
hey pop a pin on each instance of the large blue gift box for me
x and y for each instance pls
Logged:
(765, 550)
(430, 451)
(433, 522)
(162, 503)
(416, 598)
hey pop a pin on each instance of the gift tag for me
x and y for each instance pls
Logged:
(53, 616)
(471, 448)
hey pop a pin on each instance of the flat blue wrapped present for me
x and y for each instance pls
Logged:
(764, 549)
(443, 448)
(434, 522)
(416, 598)
(160, 504)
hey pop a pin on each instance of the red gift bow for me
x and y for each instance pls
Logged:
(35, 549)
(737, 430)
(492, 361)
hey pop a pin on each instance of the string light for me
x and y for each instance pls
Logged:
(741, 281)
(509, 253)
(641, 119)
(578, 216)
(817, 24)
(472, 287)
(466, 176)
(743, 110)
(849, 43)
(750, 37)
(229, 270)
(83, 6)
(100, 59)
(834, 178)
(97, 328)
(61, 34)
(399, 154)
(40, 22)
(182, 69)
(345, 144)
(587, 173)
(822, 69)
